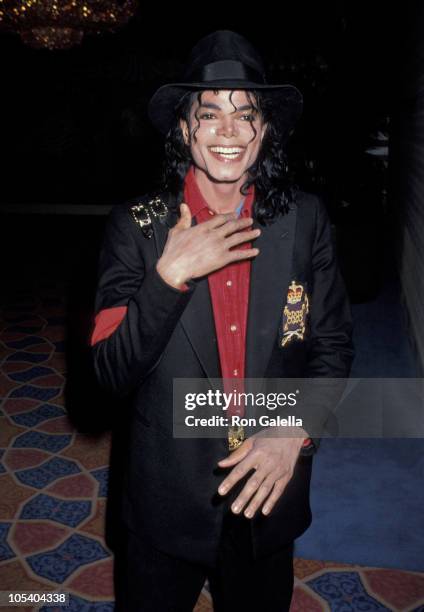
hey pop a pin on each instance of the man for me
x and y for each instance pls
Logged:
(195, 282)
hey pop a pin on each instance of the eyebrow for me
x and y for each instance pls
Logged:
(216, 107)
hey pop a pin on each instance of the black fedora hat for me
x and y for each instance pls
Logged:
(223, 60)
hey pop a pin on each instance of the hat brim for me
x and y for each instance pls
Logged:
(161, 108)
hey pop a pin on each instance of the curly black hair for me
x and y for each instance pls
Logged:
(273, 188)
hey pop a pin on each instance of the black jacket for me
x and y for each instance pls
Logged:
(170, 486)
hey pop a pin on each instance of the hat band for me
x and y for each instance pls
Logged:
(226, 70)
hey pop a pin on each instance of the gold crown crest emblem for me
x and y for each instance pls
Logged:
(295, 293)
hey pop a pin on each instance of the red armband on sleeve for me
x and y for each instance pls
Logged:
(106, 321)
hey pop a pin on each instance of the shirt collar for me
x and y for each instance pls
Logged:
(196, 202)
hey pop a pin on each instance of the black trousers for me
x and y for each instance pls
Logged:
(147, 580)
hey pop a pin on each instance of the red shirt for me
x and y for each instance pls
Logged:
(229, 290)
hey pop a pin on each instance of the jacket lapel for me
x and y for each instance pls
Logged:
(197, 319)
(269, 281)
(198, 323)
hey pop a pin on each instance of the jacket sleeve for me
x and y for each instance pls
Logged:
(143, 308)
(330, 352)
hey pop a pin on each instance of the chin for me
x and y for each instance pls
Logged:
(224, 177)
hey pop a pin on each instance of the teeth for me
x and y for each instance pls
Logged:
(227, 150)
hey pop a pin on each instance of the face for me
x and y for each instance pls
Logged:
(226, 136)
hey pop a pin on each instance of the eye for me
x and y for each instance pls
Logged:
(248, 117)
(207, 116)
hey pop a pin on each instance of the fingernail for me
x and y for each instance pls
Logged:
(248, 514)
(235, 508)
(222, 490)
(265, 510)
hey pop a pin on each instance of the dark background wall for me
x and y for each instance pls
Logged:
(74, 123)
(407, 171)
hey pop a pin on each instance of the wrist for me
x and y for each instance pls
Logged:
(171, 276)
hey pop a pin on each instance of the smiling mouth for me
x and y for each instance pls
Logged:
(227, 153)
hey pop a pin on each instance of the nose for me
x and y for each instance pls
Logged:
(227, 127)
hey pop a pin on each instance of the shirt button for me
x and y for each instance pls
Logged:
(229, 283)
(233, 328)
(235, 372)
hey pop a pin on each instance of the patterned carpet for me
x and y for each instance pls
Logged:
(54, 480)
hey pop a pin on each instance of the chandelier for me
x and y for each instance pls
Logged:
(61, 24)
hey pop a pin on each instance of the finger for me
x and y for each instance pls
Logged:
(234, 225)
(261, 494)
(219, 220)
(276, 493)
(236, 474)
(239, 237)
(240, 453)
(250, 488)
(184, 222)
(239, 255)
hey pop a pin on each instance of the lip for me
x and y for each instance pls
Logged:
(222, 159)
